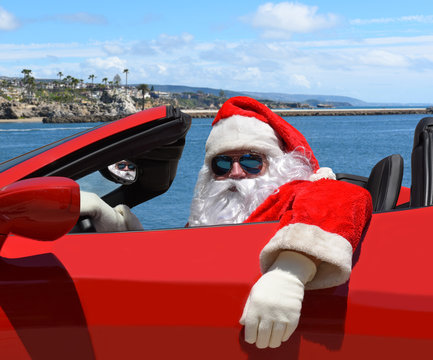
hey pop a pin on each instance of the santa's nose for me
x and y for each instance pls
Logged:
(237, 172)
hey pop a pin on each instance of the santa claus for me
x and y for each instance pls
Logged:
(258, 167)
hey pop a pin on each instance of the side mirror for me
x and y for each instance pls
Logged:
(123, 172)
(42, 208)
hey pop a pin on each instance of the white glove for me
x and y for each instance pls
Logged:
(104, 217)
(272, 311)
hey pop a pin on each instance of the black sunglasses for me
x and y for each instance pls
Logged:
(122, 166)
(251, 163)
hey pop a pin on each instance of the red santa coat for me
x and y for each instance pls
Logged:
(324, 218)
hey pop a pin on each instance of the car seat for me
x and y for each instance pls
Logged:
(384, 182)
(421, 191)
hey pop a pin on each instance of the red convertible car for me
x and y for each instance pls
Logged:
(69, 293)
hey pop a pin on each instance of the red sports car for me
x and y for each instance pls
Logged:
(85, 295)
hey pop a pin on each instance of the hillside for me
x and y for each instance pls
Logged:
(279, 97)
(338, 100)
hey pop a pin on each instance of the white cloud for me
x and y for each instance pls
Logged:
(7, 20)
(26, 52)
(384, 58)
(168, 42)
(342, 66)
(248, 74)
(279, 20)
(300, 80)
(425, 19)
(400, 40)
(143, 48)
(101, 64)
(113, 49)
(162, 69)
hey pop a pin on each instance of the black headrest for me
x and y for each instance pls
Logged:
(384, 182)
(421, 193)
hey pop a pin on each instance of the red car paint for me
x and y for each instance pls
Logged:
(179, 294)
(40, 208)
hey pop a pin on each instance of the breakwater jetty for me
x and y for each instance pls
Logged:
(324, 112)
(212, 113)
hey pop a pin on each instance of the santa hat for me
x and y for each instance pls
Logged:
(245, 123)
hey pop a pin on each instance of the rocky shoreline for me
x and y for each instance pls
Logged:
(108, 107)
(81, 119)
(112, 105)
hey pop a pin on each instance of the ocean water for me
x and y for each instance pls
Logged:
(349, 144)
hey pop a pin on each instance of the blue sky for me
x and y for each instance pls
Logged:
(377, 51)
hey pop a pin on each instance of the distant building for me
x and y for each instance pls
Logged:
(163, 95)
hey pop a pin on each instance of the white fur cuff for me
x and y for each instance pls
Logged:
(334, 252)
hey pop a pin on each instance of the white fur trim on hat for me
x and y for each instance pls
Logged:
(334, 252)
(242, 133)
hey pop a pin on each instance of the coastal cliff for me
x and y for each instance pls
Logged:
(109, 106)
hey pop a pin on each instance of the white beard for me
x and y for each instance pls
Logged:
(231, 201)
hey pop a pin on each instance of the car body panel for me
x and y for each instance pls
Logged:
(182, 291)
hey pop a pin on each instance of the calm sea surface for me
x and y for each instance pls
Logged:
(350, 144)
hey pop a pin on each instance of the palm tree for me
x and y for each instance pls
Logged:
(28, 80)
(117, 79)
(104, 80)
(26, 72)
(126, 71)
(60, 75)
(68, 80)
(92, 77)
(144, 88)
(74, 82)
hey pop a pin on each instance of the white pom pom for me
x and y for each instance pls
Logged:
(323, 173)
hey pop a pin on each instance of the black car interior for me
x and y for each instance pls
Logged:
(421, 193)
(384, 182)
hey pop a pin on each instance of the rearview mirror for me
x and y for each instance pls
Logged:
(42, 208)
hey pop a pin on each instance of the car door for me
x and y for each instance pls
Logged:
(179, 293)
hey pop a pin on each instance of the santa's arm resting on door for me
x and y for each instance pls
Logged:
(321, 223)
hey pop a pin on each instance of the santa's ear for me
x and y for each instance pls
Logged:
(323, 173)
